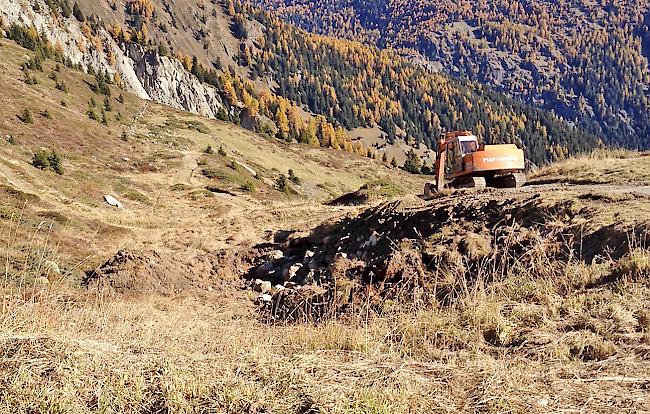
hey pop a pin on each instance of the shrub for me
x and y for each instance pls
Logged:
(41, 160)
(248, 186)
(76, 11)
(293, 177)
(120, 99)
(124, 136)
(31, 80)
(92, 115)
(44, 160)
(107, 104)
(281, 184)
(55, 163)
(209, 150)
(26, 116)
(222, 151)
(233, 165)
(60, 85)
(46, 113)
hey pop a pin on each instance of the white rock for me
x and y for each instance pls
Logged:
(262, 286)
(266, 297)
(276, 254)
(341, 256)
(112, 201)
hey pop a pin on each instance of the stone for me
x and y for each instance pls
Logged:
(276, 255)
(112, 201)
(292, 271)
(341, 255)
(308, 255)
(262, 286)
(266, 298)
(265, 269)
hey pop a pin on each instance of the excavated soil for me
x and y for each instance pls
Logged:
(417, 254)
(136, 273)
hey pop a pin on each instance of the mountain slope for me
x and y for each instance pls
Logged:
(579, 59)
(236, 63)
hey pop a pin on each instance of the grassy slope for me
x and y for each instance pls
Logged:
(164, 147)
(618, 167)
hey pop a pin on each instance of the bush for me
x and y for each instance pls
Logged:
(293, 177)
(222, 151)
(233, 165)
(248, 186)
(26, 116)
(107, 104)
(46, 113)
(209, 150)
(281, 184)
(44, 160)
(55, 163)
(60, 85)
(124, 136)
(41, 160)
(76, 11)
(31, 80)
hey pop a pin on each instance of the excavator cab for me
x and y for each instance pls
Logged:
(457, 149)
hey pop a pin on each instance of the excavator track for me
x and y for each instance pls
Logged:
(478, 183)
(515, 180)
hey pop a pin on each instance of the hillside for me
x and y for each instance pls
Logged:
(150, 157)
(581, 60)
(235, 63)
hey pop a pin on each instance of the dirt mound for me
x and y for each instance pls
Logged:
(409, 253)
(149, 272)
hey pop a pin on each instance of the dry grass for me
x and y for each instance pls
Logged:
(523, 342)
(618, 167)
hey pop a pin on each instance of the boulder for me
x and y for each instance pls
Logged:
(112, 201)
(262, 286)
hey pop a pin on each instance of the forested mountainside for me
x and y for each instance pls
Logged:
(586, 61)
(263, 73)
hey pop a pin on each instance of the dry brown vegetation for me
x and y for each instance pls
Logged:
(599, 167)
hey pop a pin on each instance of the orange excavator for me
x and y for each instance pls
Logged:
(464, 163)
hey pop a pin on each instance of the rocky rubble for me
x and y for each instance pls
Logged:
(418, 255)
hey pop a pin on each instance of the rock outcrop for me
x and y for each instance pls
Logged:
(143, 73)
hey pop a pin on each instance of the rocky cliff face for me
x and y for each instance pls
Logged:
(143, 73)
